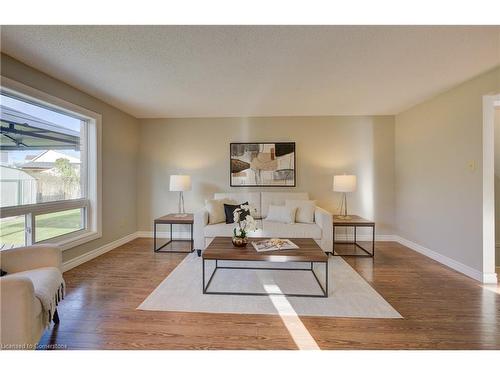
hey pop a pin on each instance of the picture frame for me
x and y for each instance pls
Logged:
(262, 164)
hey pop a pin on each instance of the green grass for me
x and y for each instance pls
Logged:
(47, 226)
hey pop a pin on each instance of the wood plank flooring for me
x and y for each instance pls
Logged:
(442, 309)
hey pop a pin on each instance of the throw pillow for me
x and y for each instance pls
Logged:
(229, 211)
(281, 214)
(305, 210)
(215, 208)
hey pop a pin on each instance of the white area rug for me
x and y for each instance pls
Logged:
(349, 295)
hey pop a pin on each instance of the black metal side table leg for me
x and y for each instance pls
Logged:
(333, 244)
(373, 241)
(154, 237)
(192, 238)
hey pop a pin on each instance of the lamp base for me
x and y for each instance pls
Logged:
(180, 215)
(343, 217)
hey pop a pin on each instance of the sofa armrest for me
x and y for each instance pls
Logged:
(17, 311)
(323, 218)
(199, 222)
(30, 257)
(325, 221)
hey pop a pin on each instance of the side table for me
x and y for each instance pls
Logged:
(354, 221)
(173, 219)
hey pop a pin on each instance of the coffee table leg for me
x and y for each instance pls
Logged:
(326, 278)
(207, 285)
(203, 275)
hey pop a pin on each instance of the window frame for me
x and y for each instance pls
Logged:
(91, 203)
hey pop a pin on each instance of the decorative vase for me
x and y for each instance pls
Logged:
(240, 241)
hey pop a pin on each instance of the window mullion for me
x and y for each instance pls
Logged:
(43, 208)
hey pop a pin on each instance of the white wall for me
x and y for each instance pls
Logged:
(363, 145)
(438, 155)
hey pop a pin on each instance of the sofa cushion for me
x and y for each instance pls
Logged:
(253, 199)
(281, 214)
(215, 209)
(278, 199)
(305, 210)
(297, 230)
(229, 211)
(226, 230)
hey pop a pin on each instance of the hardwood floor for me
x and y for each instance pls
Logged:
(441, 308)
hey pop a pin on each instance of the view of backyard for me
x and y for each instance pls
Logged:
(47, 226)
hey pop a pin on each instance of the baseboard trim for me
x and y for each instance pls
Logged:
(485, 278)
(490, 278)
(176, 235)
(72, 263)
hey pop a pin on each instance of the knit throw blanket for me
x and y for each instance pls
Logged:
(50, 303)
(49, 289)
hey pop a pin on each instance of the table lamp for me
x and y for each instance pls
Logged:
(344, 184)
(180, 183)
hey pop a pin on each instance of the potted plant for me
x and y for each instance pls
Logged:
(245, 223)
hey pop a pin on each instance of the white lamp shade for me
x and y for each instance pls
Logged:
(180, 182)
(344, 183)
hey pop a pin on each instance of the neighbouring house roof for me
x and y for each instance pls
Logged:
(20, 131)
(47, 160)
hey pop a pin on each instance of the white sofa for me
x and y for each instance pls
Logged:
(320, 230)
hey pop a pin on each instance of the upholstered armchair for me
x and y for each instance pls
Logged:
(29, 294)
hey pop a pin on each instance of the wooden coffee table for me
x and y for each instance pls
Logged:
(222, 249)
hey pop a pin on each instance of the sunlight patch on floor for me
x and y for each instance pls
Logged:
(293, 324)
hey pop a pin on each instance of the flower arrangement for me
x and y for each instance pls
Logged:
(242, 216)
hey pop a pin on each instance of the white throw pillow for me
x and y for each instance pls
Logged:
(215, 208)
(281, 214)
(305, 210)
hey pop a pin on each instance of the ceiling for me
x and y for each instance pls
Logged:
(219, 71)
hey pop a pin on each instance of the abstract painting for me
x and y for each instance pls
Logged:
(262, 164)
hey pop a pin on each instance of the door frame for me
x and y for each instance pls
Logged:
(490, 103)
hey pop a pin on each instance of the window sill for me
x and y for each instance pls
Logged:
(71, 240)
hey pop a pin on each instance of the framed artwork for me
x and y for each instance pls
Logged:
(262, 164)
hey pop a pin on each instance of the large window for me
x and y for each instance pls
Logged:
(49, 169)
